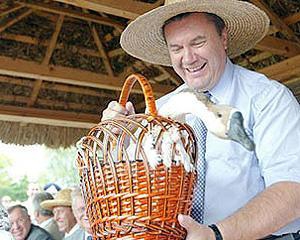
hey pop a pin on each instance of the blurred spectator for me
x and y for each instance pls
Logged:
(32, 189)
(44, 217)
(79, 211)
(6, 201)
(21, 226)
(63, 214)
(52, 188)
(4, 225)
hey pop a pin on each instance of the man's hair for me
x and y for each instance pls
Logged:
(36, 202)
(12, 208)
(213, 18)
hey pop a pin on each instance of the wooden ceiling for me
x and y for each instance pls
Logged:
(61, 62)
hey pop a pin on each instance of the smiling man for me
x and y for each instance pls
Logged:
(247, 195)
(21, 226)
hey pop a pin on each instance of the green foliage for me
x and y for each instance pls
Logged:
(61, 167)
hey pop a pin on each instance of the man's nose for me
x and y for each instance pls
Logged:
(188, 56)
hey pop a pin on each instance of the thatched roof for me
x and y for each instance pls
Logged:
(61, 63)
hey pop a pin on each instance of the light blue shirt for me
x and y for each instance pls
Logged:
(272, 119)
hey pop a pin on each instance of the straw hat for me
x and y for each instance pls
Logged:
(62, 199)
(246, 25)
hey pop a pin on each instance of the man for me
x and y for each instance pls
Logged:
(248, 195)
(79, 211)
(21, 226)
(44, 217)
(63, 214)
(32, 189)
(4, 224)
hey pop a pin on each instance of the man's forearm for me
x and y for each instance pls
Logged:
(275, 207)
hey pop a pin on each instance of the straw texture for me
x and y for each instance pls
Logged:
(124, 196)
(246, 24)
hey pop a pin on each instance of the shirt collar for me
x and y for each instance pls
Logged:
(72, 230)
(220, 91)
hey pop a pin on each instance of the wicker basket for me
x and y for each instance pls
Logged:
(126, 198)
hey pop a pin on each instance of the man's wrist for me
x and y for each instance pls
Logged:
(216, 231)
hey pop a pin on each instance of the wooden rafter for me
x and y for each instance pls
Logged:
(74, 14)
(75, 107)
(123, 8)
(35, 92)
(15, 20)
(46, 60)
(102, 51)
(11, 9)
(278, 46)
(27, 69)
(284, 70)
(59, 87)
(275, 19)
(48, 117)
(53, 40)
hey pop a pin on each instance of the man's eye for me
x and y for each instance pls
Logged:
(175, 50)
(199, 44)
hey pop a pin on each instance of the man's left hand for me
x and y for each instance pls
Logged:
(195, 231)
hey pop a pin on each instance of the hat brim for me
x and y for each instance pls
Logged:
(50, 204)
(246, 25)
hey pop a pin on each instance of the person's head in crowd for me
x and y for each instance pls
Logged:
(4, 221)
(32, 189)
(6, 201)
(61, 207)
(79, 210)
(40, 214)
(52, 188)
(20, 221)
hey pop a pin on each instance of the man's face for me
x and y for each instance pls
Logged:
(197, 51)
(20, 223)
(80, 214)
(32, 190)
(65, 218)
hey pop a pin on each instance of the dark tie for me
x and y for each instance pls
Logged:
(89, 238)
(198, 201)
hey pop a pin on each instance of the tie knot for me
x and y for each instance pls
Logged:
(89, 238)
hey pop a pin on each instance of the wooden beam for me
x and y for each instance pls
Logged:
(102, 51)
(10, 9)
(283, 71)
(61, 87)
(71, 13)
(275, 19)
(35, 92)
(32, 70)
(47, 117)
(35, 41)
(292, 18)
(53, 40)
(15, 20)
(123, 8)
(68, 106)
(278, 46)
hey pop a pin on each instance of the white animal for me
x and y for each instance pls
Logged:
(223, 121)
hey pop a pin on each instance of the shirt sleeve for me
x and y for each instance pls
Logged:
(277, 134)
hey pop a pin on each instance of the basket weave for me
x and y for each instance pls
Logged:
(125, 198)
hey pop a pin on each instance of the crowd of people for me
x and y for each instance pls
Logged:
(49, 214)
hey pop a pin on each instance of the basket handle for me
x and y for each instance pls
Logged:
(147, 91)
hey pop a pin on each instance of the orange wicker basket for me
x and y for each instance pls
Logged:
(125, 197)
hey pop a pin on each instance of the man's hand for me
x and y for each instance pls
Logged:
(115, 109)
(195, 231)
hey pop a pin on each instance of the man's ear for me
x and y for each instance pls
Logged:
(224, 37)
